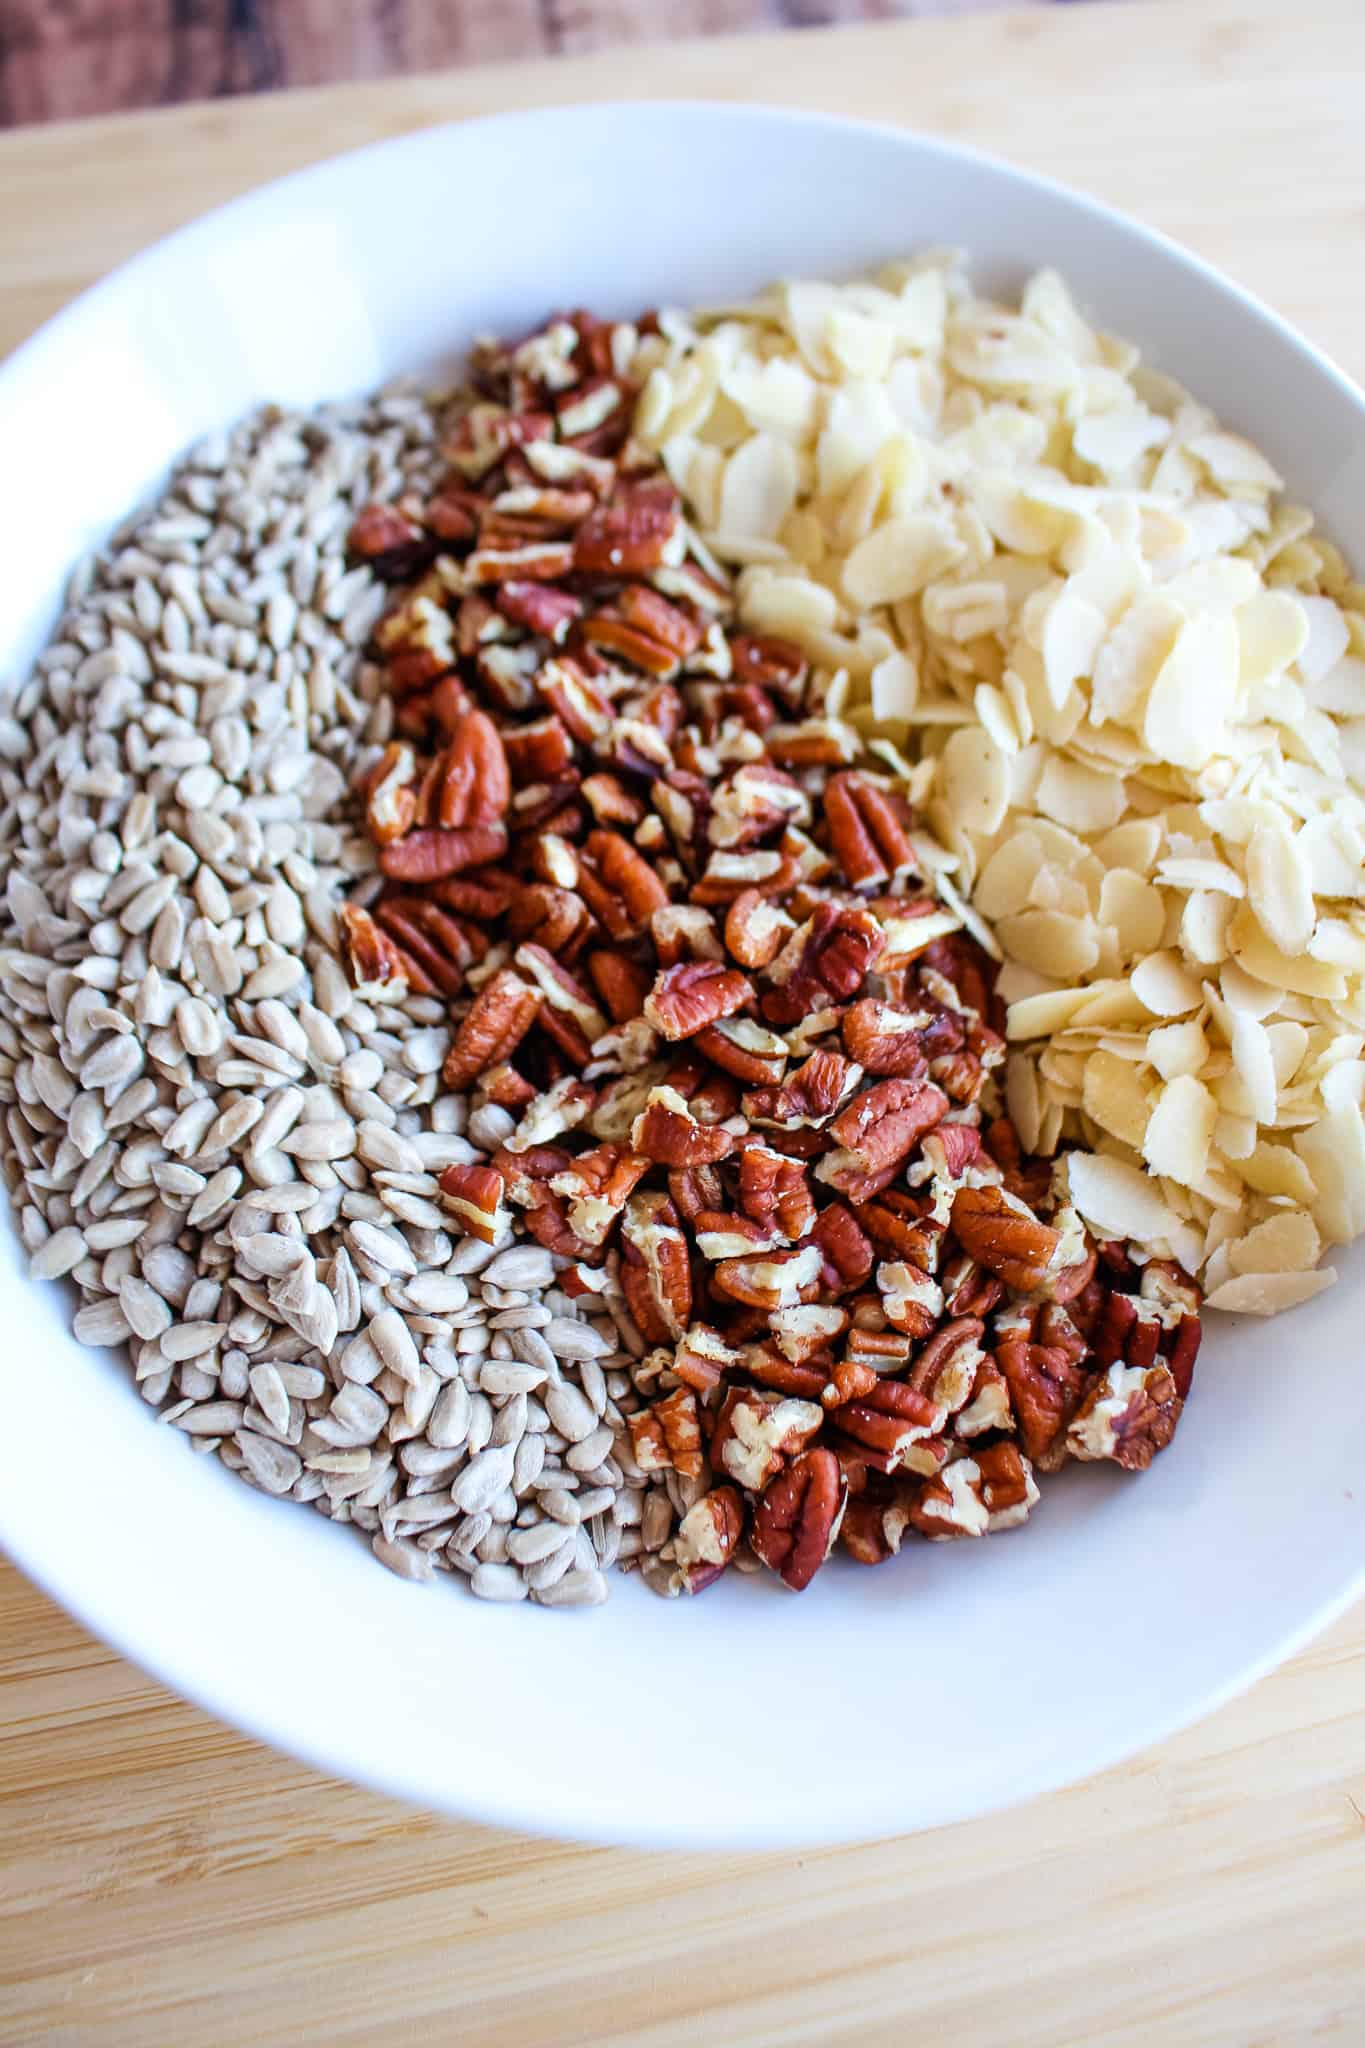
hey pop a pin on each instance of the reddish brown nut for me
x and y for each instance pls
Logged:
(1001, 1234)
(1046, 1388)
(393, 545)
(492, 1028)
(774, 1192)
(756, 1432)
(884, 1039)
(993, 1489)
(475, 787)
(427, 855)
(875, 1523)
(702, 1357)
(867, 831)
(390, 799)
(372, 956)
(895, 1420)
(772, 1279)
(743, 1048)
(639, 529)
(655, 1275)
(1128, 1415)
(688, 997)
(797, 1520)
(844, 1248)
(755, 929)
(912, 1300)
(550, 613)
(762, 660)
(441, 944)
(621, 982)
(809, 1096)
(947, 1369)
(825, 959)
(879, 1129)
(618, 885)
(903, 1226)
(667, 1132)
(666, 1437)
(707, 1538)
(808, 1330)
(473, 1194)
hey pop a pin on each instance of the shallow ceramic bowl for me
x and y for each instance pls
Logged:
(958, 1678)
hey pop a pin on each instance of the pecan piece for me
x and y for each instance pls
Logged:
(744, 1049)
(474, 784)
(885, 1040)
(1004, 1236)
(667, 1132)
(639, 529)
(755, 929)
(773, 1191)
(688, 997)
(772, 1279)
(797, 1521)
(992, 1489)
(757, 1431)
(879, 1129)
(707, 1538)
(826, 957)
(702, 1357)
(372, 956)
(474, 1196)
(433, 852)
(618, 884)
(912, 1300)
(655, 1275)
(867, 831)
(492, 1028)
(1128, 1415)
(1046, 1384)
(666, 1437)
(895, 1420)
(844, 1249)
(390, 799)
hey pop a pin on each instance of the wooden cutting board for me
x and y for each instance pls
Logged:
(165, 1881)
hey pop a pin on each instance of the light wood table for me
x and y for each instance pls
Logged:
(164, 1881)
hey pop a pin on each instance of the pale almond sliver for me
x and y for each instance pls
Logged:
(1118, 1200)
(1180, 1131)
(1267, 1294)
(1165, 986)
(1284, 1243)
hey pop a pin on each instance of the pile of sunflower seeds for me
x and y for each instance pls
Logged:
(229, 1152)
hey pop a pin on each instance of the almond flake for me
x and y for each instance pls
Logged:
(1267, 1294)
(1164, 985)
(1180, 1131)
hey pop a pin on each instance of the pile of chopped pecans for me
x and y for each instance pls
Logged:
(752, 1062)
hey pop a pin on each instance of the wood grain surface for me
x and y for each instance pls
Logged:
(165, 1883)
(62, 59)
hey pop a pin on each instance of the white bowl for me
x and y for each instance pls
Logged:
(958, 1678)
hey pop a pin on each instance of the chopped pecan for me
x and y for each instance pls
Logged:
(475, 786)
(755, 929)
(947, 1369)
(885, 1040)
(639, 529)
(390, 798)
(702, 1357)
(393, 545)
(688, 997)
(826, 957)
(797, 1521)
(655, 1275)
(867, 831)
(876, 1520)
(618, 884)
(801, 1333)
(707, 1538)
(1129, 1414)
(474, 1196)
(844, 1248)
(879, 1129)
(895, 1420)
(809, 1096)
(772, 1279)
(743, 1048)
(492, 1028)
(372, 956)
(667, 1132)
(912, 1301)
(975, 1496)
(433, 852)
(757, 1431)
(666, 1437)
(773, 1191)
(1002, 1234)
(1046, 1385)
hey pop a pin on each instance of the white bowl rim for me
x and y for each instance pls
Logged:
(574, 1814)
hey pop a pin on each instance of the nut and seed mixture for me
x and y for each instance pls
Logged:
(503, 1050)
(745, 1061)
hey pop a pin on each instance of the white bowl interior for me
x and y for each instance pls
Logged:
(958, 1678)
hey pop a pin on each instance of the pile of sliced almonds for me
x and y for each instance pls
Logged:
(1126, 683)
